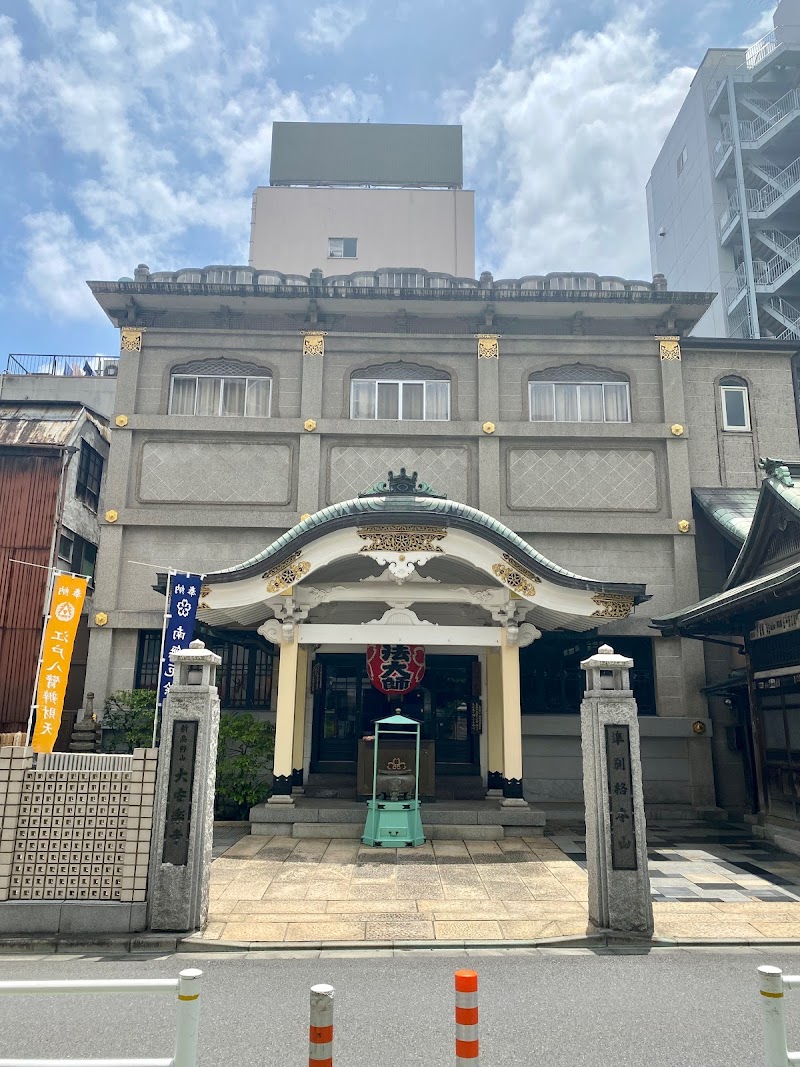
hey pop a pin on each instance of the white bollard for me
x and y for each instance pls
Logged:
(320, 1031)
(188, 1021)
(771, 987)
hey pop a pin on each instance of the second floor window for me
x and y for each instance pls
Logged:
(90, 474)
(408, 400)
(735, 404)
(579, 402)
(205, 394)
(76, 554)
(342, 247)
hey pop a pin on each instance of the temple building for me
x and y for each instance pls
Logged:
(499, 473)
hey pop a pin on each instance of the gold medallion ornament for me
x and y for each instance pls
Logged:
(669, 347)
(516, 576)
(684, 526)
(131, 340)
(285, 574)
(612, 605)
(314, 343)
(310, 425)
(488, 345)
(121, 420)
(100, 618)
(488, 427)
(402, 538)
(676, 430)
(305, 516)
(111, 515)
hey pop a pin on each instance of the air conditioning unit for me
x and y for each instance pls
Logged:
(110, 370)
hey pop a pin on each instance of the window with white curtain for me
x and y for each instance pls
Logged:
(206, 394)
(735, 404)
(373, 398)
(579, 401)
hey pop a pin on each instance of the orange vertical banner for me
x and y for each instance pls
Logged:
(66, 602)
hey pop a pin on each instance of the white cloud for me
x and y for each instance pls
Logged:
(762, 26)
(330, 26)
(563, 141)
(168, 116)
(12, 68)
(56, 15)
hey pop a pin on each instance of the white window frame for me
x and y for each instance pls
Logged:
(222, 378)
(683, 159)
(375, 382)
(333, 241)
(553, 384)
(743, 389)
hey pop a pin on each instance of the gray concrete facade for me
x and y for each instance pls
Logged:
(607, 500)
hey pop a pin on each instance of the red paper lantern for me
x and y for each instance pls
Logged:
(395, 669)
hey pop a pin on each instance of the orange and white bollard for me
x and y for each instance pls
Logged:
(467, 1018)
(320, 1031)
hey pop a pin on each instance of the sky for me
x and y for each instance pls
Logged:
(135, 132)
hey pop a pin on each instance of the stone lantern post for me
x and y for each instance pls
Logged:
(183, 820)
(616, 834)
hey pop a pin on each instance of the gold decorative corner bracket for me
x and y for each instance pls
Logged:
(669, 347)
(121, 420)
(111, 515)
(285, 575)
(100, 618)
(488, 345)
(519, 578)
(676, 430)
(131, 340)
(402, 538)
(313, 343)
(612, 605)
(684, 526)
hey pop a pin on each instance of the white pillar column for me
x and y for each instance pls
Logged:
(299, 719)
(284, 719)
(512, 722)
(494, 723)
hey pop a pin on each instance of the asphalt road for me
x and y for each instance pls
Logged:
(697, 1008)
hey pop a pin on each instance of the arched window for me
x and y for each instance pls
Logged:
(400, 391)
(220, 387)
(578, 393)
(735, 403)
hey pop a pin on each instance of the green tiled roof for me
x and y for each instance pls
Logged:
(730, 509)
(396, 507)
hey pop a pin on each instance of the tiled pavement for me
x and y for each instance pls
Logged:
(707, 882)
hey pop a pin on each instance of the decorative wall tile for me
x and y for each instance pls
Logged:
(354, 468)
(215, 472)
(572, 479)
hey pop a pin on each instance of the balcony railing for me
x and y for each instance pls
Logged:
(770, 272)
(729, 214)
(759, 51)
(784, 181)
(63, 366)
(736, 285)
(785, 312)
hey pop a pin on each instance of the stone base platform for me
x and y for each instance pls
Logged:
(458, 820)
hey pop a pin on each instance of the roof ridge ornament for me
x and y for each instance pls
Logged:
(777, 469)
(402, 484)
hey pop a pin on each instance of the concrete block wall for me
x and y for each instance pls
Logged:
(75, 834)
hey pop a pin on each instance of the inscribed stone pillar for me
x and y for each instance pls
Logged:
(512, 722)
(494, 724)
(284, 717)
(183, 820)
(616, 834)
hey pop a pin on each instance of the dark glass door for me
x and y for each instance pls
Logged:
(346, 706)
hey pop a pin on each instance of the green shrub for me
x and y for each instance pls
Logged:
(244, 753)
(130, 713)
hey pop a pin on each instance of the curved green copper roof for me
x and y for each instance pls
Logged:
(374, 510)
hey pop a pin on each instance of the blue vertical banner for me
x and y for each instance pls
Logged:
(182, 601)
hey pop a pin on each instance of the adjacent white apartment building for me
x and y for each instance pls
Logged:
(723, 200)
(350, 197)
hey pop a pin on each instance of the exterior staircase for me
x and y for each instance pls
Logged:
(787, 315)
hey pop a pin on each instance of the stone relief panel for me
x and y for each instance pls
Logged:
(215, 472)
(571, 479)
(352, 469)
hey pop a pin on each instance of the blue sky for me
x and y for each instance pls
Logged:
(136, 131)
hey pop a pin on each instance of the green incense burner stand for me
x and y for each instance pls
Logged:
(393, 818)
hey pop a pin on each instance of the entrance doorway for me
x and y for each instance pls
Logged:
(346, 706)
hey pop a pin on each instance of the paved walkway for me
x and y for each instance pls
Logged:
(708, 883)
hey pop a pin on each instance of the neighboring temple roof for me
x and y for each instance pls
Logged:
(387, 502)
(730, 510)
(765, 568)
